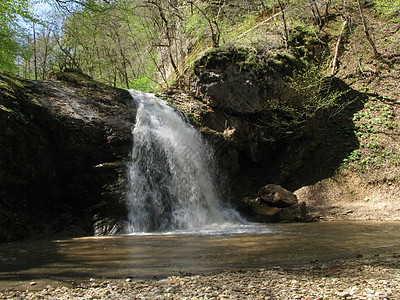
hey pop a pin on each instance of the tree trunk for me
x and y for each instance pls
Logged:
(263, 5)
(46, 38)
(285, 31)
(167, 32)
(337, 48)
(215, 36)
(327, 9)
(35, 52)
(319, 17)
(369, 39)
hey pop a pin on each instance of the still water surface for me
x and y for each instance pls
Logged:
(161, 255)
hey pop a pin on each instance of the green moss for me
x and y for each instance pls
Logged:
(194, 119)
(252, 60)
(5, 109)
(10, 85)
(79, 79)
(219, 57)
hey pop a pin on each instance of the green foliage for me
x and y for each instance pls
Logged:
(313, 103)
(317, 98)
(302, 40)
(10, 10)
(144, 84)
(390, 8)
(11, 32)
(196, 24)
(9, 49)
(374, 125)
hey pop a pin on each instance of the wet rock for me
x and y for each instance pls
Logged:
(106, 226)
(264, 213)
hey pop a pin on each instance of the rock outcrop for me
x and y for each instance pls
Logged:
(259, 123)
(63, 144)
(240, 81)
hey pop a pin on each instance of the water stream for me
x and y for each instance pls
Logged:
(142, 256)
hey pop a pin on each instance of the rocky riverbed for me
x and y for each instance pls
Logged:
(359, 278)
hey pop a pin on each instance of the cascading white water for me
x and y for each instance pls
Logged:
(172, 177)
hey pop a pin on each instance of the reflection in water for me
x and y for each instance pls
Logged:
(148, 256)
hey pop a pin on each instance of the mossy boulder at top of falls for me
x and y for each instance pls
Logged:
(63, 142)
(240, 80)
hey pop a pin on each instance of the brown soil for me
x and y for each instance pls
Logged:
(366, 185)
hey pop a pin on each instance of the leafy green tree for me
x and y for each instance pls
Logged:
(11, 33)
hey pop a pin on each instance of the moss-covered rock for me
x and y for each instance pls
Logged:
(242, 80)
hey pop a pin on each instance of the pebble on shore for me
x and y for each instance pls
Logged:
(376, 278)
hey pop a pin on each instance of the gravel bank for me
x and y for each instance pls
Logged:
(376, 278)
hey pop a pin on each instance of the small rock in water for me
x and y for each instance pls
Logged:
(128, 280)
(92, 280)
(33, 283)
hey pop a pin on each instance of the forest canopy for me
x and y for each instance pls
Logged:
(144, 44)
(11, 33)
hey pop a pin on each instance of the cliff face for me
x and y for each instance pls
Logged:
(332, 142)
(263, 129)
(63, 144)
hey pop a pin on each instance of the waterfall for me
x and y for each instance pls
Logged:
(173, 183)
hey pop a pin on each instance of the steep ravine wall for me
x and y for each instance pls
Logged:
(242, 102)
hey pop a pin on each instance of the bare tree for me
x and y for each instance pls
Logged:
(285, 30)
(168, 33)
(263, 5)
(366, 31)
(213, 24)
(338, 45)
(319, 20)
(328, 3)
(35, 51)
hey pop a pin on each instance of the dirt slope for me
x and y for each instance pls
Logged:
(366, 186)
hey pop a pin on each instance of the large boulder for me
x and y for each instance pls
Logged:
(276, 196)
(276, 204)
(228, 98)
(57, 137)
(294, 213)
(240, 81)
